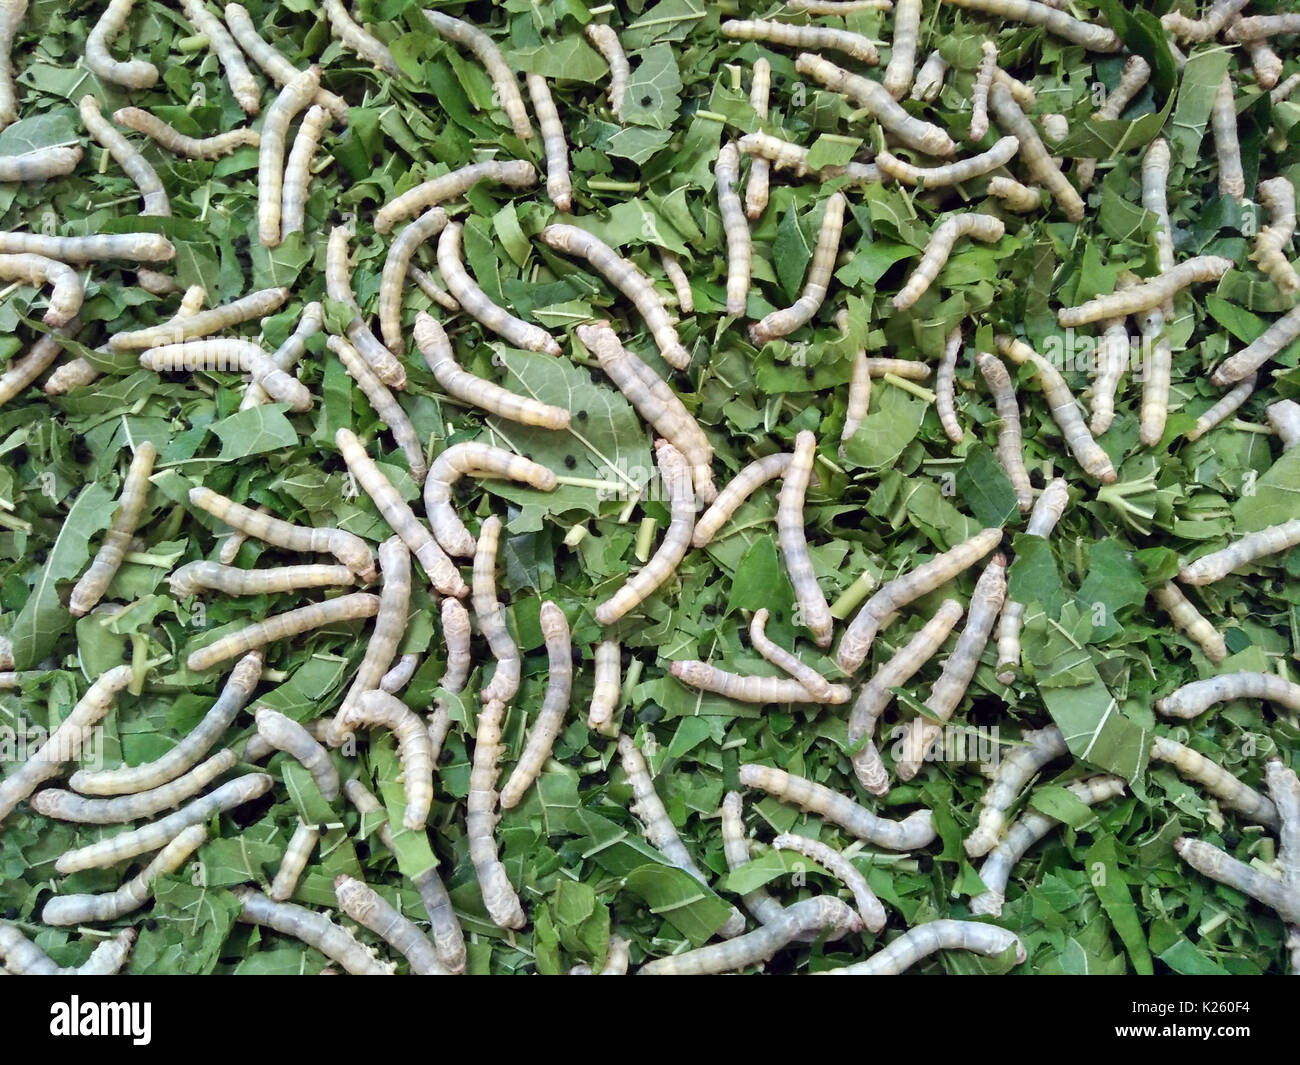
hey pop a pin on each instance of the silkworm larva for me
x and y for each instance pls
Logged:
(1207, 27)
(442, 573)
(399, 676)
(675, 477)
(625, 276)
(125, 155)
(660, 831)
(979, 112)
(38, 270)
(871, 95)
(194, 577)
(384, 404)
(371, 910)
(1189, 620)
(816, 685)
(912, 833)
(783, 155)
(1284, 786)
(1227, 145)
(136, 247)
(356, 39)
(983, 227)
(478, 460)
(875, 696)
(740, 248)
(678, 279)
(256, 304)
(945, 379)
(1149, 294)
(869, 908)
(314, 929)
(1037, 159)
(837, 7)
(492, 616)
(756, 188)
(743, 485)
(1015, 197)
(1250, 358)
(735, 848)
(83, 909)
(223, 354)
(953, 173)
(273, 64)
(390, 627)
(40, 164)
(400, 253)
(23, 370)
(285, 734)
(1093, 37)
(859, 399)
(902, 55)
(1010, 445)
(6, 653)
(485, 50)
(66, 806)
(1284, 90)
(1269, 541)
(426, 284)
(338, 286)
(1225, 787)
(929, 79)
(293, 98)
(821, 914)
(456, 636)
(1013, 772)
(243, 86)
(559, 183)
(1113, 351)
(897, 593)
(65, 742)
(1192, 700)
(71, 375)
(854, 45)
(293, 863)
(920, 942)
(348, 548)
(514, 173)
(1284, 417)
(815, 612)
(1277, 196)
(174, 141)
(1265, 64)
(555, 704)
(606, 42)
(297, 171)
(1259, 27)
(291, 623)
(378, 709)
(11, 17)
(1063, 408)
(749, 688)
(21, 957)
(1208, 859)
(782, 322)
(499, 896)
(608, 689)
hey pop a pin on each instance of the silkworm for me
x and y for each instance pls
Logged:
(1062, 406)
(952, 173)
(1013, 772)
(875, 696)
(1284, 418)
(1010, 446)
(371, 910)
(555, 704)
(1192, 700)
(814, 611)
(1042, 520)
(492, 616)
(348, 548)
(1268, 541)
(71, 375)
(432, 289)
(678, 279)
(625, 276)
(291, 623)
(155, 834)
(1266, 346)
(750, 688)
(23, 370)
(513, 173)
(126, 156)
(897, 593)
(141, 247)
(174, 141)
(65, 806)
(21, 957)
(859, 398)
(1015, 197)
(606, 42)
(223, 354)
(1227, 145)
(1112, 360)
(400, 253)
(1093, 37)
(285, 734)
(816, 685)
(740, 248)
(11, 17)
(41, 164)
(442, 573)
(314, 929)
(787, 320)
(1034, 154)
(131, 780)
(243, 86)
(984, 227)
(919, 943)
(6, 653)
(499, 896)
(66, 292)
(194, 577)
(1186, 618)
(293, 98)
(874, 97)
(64, 743)
(979, 111)
(399, 676)
(1265, 64)
(1284, 90)
(1284, 786)
(1259, 27)
(83, 909)
(869, 908)
(929, 79)
(837, 7)
(911, 833)
(338, 286)
(1277, 196)
(485, 50)
(384, 404)
(608, 689)
(355, 39)
(945, 378)
(655, 401)
(456, 636)
(1132, 79)
(756, 188)
(258, 304)
(783, 155)
(390, 627)
(817, 915)
(854, 45)
(1149, 294)
(273, 64)
(298, 170)
(293, 863)
(902, 54)
(559, 183)
(675, 477)
(1225, 787)
(479, 460)
(1272, 891)
(1206, 28)
(378, 709)
(744, 484)
(735, 847)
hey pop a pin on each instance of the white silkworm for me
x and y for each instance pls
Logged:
(355, 39)
(399, 676)
(982, 227)
(897, 593)
(174, 141)
(1010, 446)
(216, 355)
(929, 79)
(1149, 294)
(338, 286)
(1132, 79)
(749, 688)
(559, 183)
(194, 577)
(1283, 91)
(837, 7)
(555, 704)
(1217, 865)
(456, 636)
(347, 547)
(11, 17)
(314, 929)
(83, 909)
(1093, 37)
(398, 261)
(513, 173)
(1265, 64)
(66, 292)
(293, 98)
(478, 460)
(40, 164)
(1186, 618)
(23, 370)
(492, 617)
(902, 53)
(384, 404)
(65, 742)
(1207, 27)
(1277, 196)
(1042, 520)
(426, 284)
(21, 957)
(441, 571)
(1113, 352)
(298, 170)
(874, 97)
(141, 247)
(71, 375)
(155, 834)
(126, 156)
(814, 611)
(65, 806)
(1192, 700)
(1259, 27)
(740, 248)
(678, 279)
(607, 692)
(291, 623)
(1037, 159)
(817, 685)
(1227, 145)
(243, 86)
(499, 896)
(782, 322)
(1284, 417)
(129, 780)
(945, 379)
(1266, 346)
(485, 50)
(390, 627)
(858, 403)
(256, 304)
(951, 173)
(869, 908)
(285, 734)
(783, 155)
(1063, 408)
(1013, 772)
(293, 863)
(675, 478)
(378, 709)
(1225, 787)
(1218, 564)
(735, 847)
(273, 64)
(854, 45)
(984, 74)
(606, 42)
(912, 833)
(743, 485)
(756, 188)
(1015, 197)
(371, 910)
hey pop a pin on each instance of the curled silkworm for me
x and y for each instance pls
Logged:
(371, 910)
(285, 734)
(258, 748)
(913, 832)
(1225, 787)
(134, 74)
(854, 45)
(83, 909)
(273, 64)
(902, 52)
(897, 593)
(485, 50)
(21, 957)
(1037, 159)
(743, 485)
(920, 942)
(174, 141)
(23, 370)
(606, 42)
(952, 173)
(1267, 345)
(784, 155)
(297, 171)
(1093, 37)
(608, 689)
(514, 173)
(1284, 417)
(291, 623)
(788, 319)
(475, 302)
(983, 227)
(442, 573)
(230, 354)
(456, 636)
(41, 164)
(1064, 409)
(1277, 196)
(756, 188)
(1268, 541)
(399, 676)
(869, 907)
(194, 577)
(66, 806)
(65, 742)
(1217, 865)
(1227, 144)
(1260, 27)
(1013, 772)
(314, 929)
(1192, 700)
(11, 17)
(385, 404)
(817, 686)
(293, 863)
(555, 704)
(293, 98)
(137, 247)
(1149, 294)
(356, 39)
(499, 896)
(1010, 449)
(625, 276)
(1186, 618)
(338, 286)
(740, 248)
(979, 111)
(492, 616)
(675, 477)
(243, 86)
(945, 380)
(814, 611)
(400, 253)
(735, 847)
(37, 270)
(390, 627)
(256, 304)
(478, 460)
(1015, 197)
(559, 183)
(378, 709)
(929, 79)
(1042, 520)
(347, 547)
(749, 688)
(874, 97)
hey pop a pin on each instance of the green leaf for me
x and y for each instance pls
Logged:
(984, 488)
(681, 900)
(254, 431)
